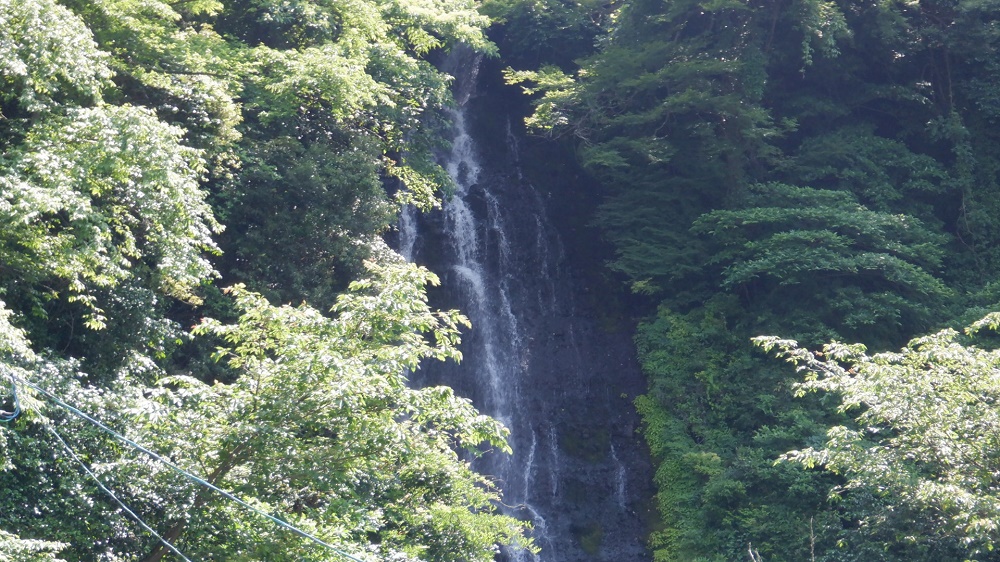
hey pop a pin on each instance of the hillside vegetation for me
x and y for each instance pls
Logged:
(818, 171)
(194, 297)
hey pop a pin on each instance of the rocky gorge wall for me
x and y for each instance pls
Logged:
(548, 354)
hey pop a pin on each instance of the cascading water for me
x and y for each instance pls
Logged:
(535, 359)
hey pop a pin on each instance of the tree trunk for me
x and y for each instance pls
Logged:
(229, 461)
(161, 550)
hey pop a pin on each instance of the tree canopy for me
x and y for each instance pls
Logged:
(821, 170)
(923, 432)
(155, 152)
(192, 199)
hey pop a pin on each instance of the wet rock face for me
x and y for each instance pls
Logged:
(542, 355)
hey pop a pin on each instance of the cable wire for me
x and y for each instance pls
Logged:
(194, 478)
(111, 494)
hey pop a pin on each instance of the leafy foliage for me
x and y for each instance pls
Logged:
(874, 266)
(816, 169)
(128, 127)
(49, 59)
(537, 32)
(93, 188)
(320, 424)
(924, 428)
(13, 548)
(717, 488)
(304, 223)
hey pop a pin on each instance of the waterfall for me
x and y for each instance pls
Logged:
(535, 359)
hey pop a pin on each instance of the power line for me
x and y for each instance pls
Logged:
(112, 495)
(194, 478)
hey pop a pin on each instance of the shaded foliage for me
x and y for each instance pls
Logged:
(819, 169)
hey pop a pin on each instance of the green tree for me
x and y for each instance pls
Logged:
(307, 216)
(923, 435)
(92, 195)
(49, 60)
(13, 548)
(339, 102)
(120, 117)
(532, 33)
(319, 426)
(803, 167)
(860, 269)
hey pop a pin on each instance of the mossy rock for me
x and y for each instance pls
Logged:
(590, 537)
(591, 446)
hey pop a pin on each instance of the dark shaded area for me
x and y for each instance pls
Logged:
(579, 468)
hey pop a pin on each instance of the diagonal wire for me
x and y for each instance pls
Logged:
(112, 495)
(194, 478)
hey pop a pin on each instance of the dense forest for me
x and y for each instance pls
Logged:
(200, 319)
(195, 297)
(823, 173)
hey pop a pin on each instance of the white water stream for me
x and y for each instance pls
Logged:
(526, 363)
